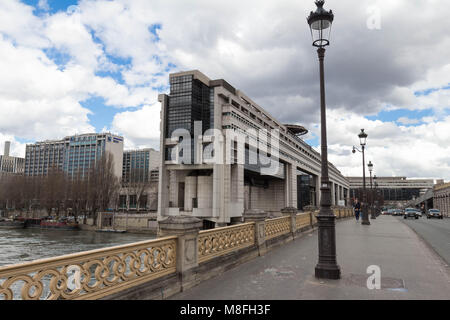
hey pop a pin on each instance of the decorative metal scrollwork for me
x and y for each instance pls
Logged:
(219, 241)
(278, 226)
(98, 273)
(302, 220)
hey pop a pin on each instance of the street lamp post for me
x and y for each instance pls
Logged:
(320, 25)
(372, 213)
(362, 141)
(375, 184)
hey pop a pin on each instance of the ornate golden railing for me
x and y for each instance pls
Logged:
(219, 241)
(302, 220)
(278, 226)
(336, 213)
(90, 274)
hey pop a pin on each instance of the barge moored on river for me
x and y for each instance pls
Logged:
(46, 223)
(11, 224)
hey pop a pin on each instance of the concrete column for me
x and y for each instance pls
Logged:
(333, 194)
(259, 217)
(318, 191)
(205, 192)
(186, 229)
(163, 183)
(190, 192)
(290, 185)
(292, 213)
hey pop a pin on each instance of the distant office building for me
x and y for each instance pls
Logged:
(139, 180)
(140, 165)
(395, 190)
(9, 164)
(73, 154)
(221, 192)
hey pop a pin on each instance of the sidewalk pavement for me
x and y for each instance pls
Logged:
(409, 269)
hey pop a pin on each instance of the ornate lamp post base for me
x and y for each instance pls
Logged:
(327, 272)
(365, 216)
(327, 267)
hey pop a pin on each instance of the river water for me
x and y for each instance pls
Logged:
(21, 245)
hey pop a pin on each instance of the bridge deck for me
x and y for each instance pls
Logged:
(409, 269)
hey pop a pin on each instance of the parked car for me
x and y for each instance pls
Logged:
(434, 213)
(411, 213)
(384, 212)
(391, 212)
(398, 212)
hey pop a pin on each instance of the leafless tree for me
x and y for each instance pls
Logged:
(103, 185)
(54, 194)
(137, 184)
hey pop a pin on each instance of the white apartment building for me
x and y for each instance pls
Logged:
(73, 154)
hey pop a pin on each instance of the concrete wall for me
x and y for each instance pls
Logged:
(268, 199)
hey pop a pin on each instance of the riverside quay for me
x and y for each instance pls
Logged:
(222, 155)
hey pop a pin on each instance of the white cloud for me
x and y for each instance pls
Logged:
(406, 120)
(43, 4)
(261, 47)
(413, 151)
(17, 149)
(140, 128)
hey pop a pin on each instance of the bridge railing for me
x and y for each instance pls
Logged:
(90, 274)
(190, 253)
(277, 227)
(219, 241)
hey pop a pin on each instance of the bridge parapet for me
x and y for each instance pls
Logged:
(91, 274)
(156, 268)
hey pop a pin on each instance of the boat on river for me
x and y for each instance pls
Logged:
(48, 223)
(11, 224)
(111, 230)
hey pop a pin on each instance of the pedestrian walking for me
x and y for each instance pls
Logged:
(357, 208)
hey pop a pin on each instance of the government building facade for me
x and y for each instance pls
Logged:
(221, 155)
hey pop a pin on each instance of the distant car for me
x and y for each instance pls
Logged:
(411, 213)
(384, 212)
(398, 212)
(391, 212)
(434, 213)
(419, 213)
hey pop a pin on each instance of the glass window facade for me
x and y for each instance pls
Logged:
(190, 100)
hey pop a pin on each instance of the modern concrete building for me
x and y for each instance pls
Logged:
(215, 164)
(73, 154)
(140, 180)
(396, 191)
(10, 164)
(441, 198)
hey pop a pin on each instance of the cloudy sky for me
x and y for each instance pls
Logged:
(77, 66)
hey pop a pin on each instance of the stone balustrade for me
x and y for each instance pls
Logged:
(158, 268)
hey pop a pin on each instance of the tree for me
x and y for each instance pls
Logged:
(137, 184)
(54, 194)
(103, 185)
